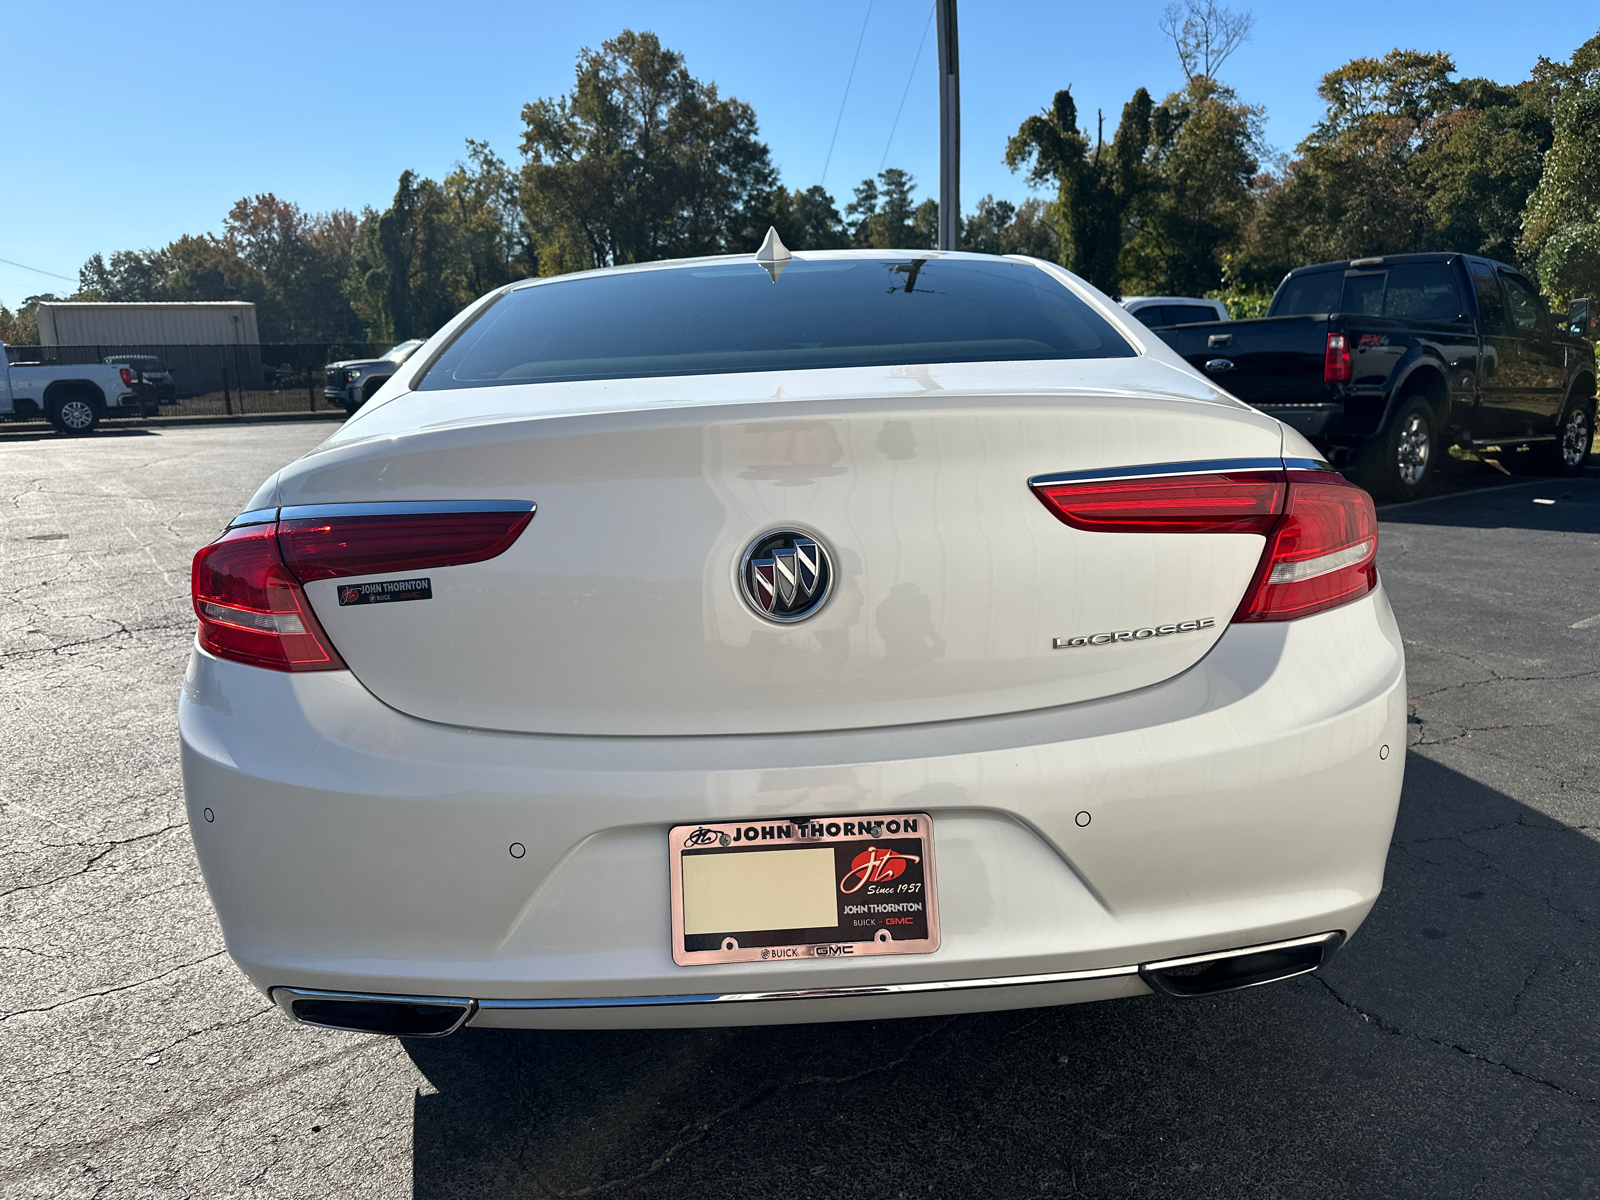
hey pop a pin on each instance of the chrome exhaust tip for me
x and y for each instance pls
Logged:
(1232, 970)
(362, 1012)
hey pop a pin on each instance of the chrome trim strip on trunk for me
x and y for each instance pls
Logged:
(1213, 466)
(378, 508)
(401, 508)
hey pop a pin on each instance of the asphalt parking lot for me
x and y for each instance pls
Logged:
(1452, 1050)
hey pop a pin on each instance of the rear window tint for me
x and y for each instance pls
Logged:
(1189, 314)
(1150, 316)
(1363, 295)
(1313, 292)
(727, 317)
(1422, 291)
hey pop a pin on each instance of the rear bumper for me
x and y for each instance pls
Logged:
(1309, 420)
(351, 848)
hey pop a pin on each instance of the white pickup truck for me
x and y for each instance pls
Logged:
(73, 397)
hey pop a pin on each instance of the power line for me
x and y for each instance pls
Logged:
(848, 80)
(907, 92)
(37, 270)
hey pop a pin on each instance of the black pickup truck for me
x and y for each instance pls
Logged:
(1384, 363)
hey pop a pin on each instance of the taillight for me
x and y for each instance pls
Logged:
(329, 547)
(1231, 502)
(127, 377)
(252, 610)
(1321, 530)
(1323, 553)
(1336, 360)
(248, 584)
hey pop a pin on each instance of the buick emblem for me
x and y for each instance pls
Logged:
(785, 576)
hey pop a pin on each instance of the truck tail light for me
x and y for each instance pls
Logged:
(252, 610)
(1322, 553)
(127, 377)
(1336, 360)
(1321, 530)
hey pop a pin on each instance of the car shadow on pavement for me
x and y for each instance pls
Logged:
(1573, 506)
(1450, 1050)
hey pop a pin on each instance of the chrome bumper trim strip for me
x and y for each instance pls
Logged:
(835, 993)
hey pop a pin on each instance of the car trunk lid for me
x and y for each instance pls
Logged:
(621, 609)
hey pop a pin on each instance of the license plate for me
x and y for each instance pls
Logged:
(774, 890)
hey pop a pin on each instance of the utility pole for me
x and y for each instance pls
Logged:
(949, 126)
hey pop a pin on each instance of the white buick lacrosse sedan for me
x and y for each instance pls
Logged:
(790, 638)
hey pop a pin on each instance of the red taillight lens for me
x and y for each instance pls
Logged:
(1321, 530)
(1336, 361)
(1238, 502)
(127, 377)
(252, 610)
(1321, 555)
(335, 546)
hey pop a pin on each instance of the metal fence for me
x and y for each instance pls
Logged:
(226, 380)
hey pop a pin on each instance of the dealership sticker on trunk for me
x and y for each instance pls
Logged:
(386, 592)
(778, 889)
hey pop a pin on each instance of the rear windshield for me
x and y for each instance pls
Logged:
(726, 317)
(1313, 292)
(1188, 314)
(1412, 291)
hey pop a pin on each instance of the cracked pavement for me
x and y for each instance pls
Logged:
(1451, 1050)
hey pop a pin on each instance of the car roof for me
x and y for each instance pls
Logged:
(1385, 260)
(1127, 300)
(869, 255)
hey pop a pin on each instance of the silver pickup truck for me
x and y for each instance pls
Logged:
(73, 397)
(351, 382)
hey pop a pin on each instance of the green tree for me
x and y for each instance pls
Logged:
(1095, 188)
(641, 161)
(805, 220)
(393, 282)
(884, 216)
(1353, 189)
(289, 263)
(1197, 197)
(1000, 227)
(294, 265)
(438, 247)
(489, 244)
(1480, 163)
(1562, 229)
(21, 328)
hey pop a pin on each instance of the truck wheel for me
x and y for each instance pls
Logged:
(1574, 439)
(1400, 460)
(74, 413)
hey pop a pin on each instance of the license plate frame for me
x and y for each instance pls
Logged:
(882, 880)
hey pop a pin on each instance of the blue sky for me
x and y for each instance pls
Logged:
(133, 124)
